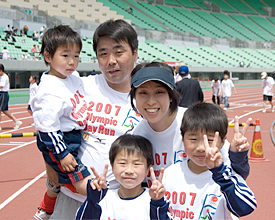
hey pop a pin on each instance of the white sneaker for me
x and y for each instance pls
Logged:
(32, 124)
(225, 109)
(17, 124)
(264, 111)
(41, 215)
(272, 110)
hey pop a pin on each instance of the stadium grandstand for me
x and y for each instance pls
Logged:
(208, 36)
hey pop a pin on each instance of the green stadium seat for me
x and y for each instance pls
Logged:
(258, 5)
(242, 7)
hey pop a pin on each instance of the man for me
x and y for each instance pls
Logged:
(188, 88)
(267, 84)
(4, 97)
(109, 111)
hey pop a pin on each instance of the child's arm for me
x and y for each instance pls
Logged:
(158, 206)
(240, 199)
(96, 191)
(55, 143)
(239, 149)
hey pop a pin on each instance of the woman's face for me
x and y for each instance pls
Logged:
(152, 102)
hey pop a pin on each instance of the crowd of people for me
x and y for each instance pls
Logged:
(127, 144)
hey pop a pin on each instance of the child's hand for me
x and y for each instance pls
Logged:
(68, 163)
(157, 189)
(213, 156)
(239, 141)
(99, 182)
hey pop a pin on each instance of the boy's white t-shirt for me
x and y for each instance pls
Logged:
(267, 84)
(59, 104)
(193, 195)
(5, 82)
(113, 207)
(33, 90)
(216, 86)
(110, 115)
(227, 85)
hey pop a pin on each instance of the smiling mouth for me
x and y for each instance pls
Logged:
(152, 110)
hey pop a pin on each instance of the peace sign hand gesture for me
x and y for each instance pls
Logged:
(213, 156)
(99, 182)
(239, 141)
(157, 189)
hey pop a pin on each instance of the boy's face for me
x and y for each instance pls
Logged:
(116, 61)
(225, 76)
(64, 61)
(195, 149)
(31, 79)
(130, 170)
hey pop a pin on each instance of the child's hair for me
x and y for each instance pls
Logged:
(226, 72)
(204, 116)
(2, 68)
(61, 35)
(132, 144)
(118, 30)
(173, 94)
(34, 77)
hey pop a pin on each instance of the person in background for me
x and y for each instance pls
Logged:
(4, 97)
(189, 89)
(216, 88)
(268, 93)
(226, 88)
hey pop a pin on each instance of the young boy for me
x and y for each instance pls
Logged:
(216, 88)
(226, 87)
(59, 112)
(130, 157)
(267, 85)
(202, 187)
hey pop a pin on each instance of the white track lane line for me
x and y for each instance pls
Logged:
(249, 113)
(15, 148)
(12, 197)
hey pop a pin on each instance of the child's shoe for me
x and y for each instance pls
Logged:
(272, 110)
(264, 111)
(41, 215)
(17, 124)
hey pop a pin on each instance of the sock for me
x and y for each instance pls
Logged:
(48, 203)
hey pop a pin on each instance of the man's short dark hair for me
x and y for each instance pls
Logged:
(204, 116)
(131, 144)
(118, 30)
(61, 35)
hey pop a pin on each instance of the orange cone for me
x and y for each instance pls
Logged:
(256, 153)
(203, 80)
(208, 79)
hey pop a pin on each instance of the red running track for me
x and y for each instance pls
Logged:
(22, 183)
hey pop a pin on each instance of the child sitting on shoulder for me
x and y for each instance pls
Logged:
(130, 157)
(59, 113)
(202, 187)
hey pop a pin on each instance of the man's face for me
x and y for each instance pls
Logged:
(116, 62)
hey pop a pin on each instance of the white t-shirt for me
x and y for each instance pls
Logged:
(110, 115)
(227, 85)
(33, 91)
(5, 54)
(216, 86)
(208, 195)
(267, 84)
(193, 194)
(59, 104)
(5, 82)
(167, 145)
